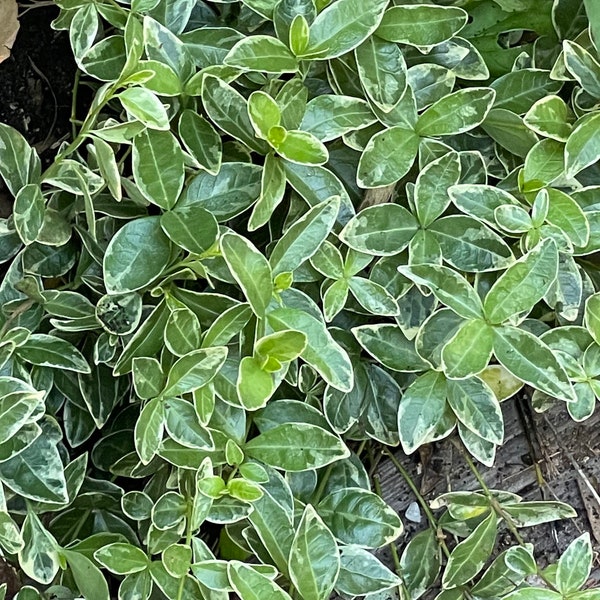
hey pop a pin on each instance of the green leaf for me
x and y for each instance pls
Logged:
(529, 359)
(388, 345)
(544, 164)
(533, 593)
(509, 131)
(421, 25)
(315, 184)
(382, 230)
(262, 53)
(299, 32)
(177, 559)
(469, 351)
(314, 557)
(565, 213)
(342, 26)
(50, 351)
(28, 212)
(456, 113)
(526, 514)
(182, 333)
(549, 117)
(359, 517)
(328, 116)
(143, 105)
(146, 341)
(518, 90)
(201, 140)
(387, 157)
(149, 429)
(18, 404)
(362, 573)
(272, 520)
(228, 110)
(321, 352)
(37, 471)
(431, 187)
(194, 370)
(591, 9)
(523, 284)
(19, 163)
(382, 72)
(264, 113)
(255, 385)
(592, 316)
(476, 406)
(421, 409)
(250, 269)
(226, 325)
(272, 190)
(420, 563)
(334, 299)
(448, 286)
(470, 555)
(158, 170)
(87, 576)
(227, 194)
(251, 585)
(183, 426)
(480, 201)
(296, 447)
(283, 346)
(39, 557)
(299, 147)
(190, 227)
(302, 240)
(164, 81)
(583, 145)
(574, 565)
(373, 297)
(136, 256)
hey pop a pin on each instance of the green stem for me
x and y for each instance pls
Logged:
(27, 304)
(316, 497)
(497, 508)
(392, 546)
(188, 542)
(88, 124)
(411, 484)
(74, 120)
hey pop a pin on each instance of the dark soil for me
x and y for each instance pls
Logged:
(36, 83)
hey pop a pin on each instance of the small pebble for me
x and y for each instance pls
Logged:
(413, 513)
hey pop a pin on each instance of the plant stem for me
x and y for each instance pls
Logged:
(316, 497)
(188, 541)
(411, 484)
(27, 304)
(497, 508)
(392, 546)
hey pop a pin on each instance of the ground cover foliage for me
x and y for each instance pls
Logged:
(288, 236)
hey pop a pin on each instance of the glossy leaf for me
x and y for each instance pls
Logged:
(296, 447)
(421, 25)
(387, 157)
(314, 557)
(342, 26)
(359, 517)
(136, 255)
(456, 113)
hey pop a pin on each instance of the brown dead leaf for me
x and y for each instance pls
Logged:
(9, 25)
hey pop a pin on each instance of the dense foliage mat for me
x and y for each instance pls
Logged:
(288, 235)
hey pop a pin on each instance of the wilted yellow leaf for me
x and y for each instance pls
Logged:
(9, 25)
